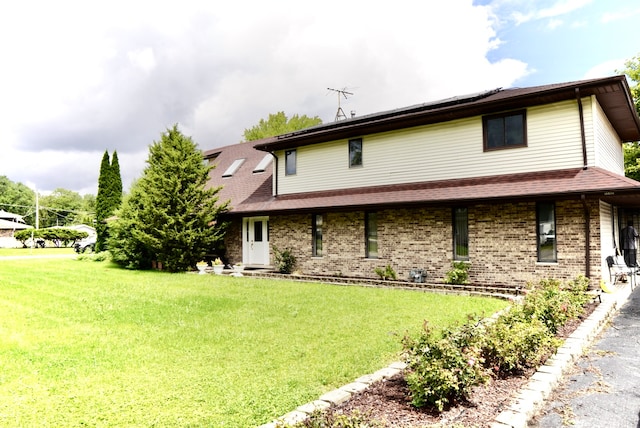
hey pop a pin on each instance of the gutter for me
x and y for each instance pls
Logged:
(587, 237)
(275, 174)
(582, 133)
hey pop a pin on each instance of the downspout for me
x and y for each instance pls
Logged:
(582, 133)
(275, 174)
(587, 237)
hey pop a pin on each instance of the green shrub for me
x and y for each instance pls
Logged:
(459, 274)
(386, 272)
(320, 419)
(555, 304)
(284, 260)
(443, 369)
(514, 342)
(102, 256)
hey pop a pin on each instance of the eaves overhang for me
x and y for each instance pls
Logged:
(573, 183)
(612, 93)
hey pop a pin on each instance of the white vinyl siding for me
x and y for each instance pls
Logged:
(608, 146)
(448, 150)
(607, 237)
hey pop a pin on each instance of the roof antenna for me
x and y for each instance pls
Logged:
(340, 113)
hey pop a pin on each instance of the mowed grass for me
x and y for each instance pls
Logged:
(89, 344)
(30, 252)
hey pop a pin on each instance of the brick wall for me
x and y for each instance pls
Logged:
(502, 242)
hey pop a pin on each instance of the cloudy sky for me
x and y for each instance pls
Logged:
(78, 78)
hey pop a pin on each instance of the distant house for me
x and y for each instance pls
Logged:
(9, 224)
(523, 183)
(91, 231)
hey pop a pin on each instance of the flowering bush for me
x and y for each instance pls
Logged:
(443, 369)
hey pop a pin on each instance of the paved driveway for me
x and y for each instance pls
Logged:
(603, 390)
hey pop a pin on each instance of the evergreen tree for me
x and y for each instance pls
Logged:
(116, 190)
(109, 196)
(170, 216)
(102, 202)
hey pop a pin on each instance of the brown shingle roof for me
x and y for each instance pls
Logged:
(244, 183)
(527, 186)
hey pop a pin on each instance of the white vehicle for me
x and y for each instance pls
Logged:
(85, 244)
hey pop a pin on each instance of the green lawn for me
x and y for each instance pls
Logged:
(88, 344)
(48, 251)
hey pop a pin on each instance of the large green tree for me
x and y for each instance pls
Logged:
(109, 196)
(278, 124)
(62, 207)
(632, 150)
(18, 199)
(632, 71)
(170, 216)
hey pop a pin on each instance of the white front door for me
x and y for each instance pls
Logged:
(255, 240)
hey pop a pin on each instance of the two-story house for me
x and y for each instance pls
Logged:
(522, 183)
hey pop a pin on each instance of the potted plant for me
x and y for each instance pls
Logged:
(218, 266)
(201, 265)
(237, 269)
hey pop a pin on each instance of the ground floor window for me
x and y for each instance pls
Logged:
(546, 231)
(371, 235)
(316, 232)
(460, 234)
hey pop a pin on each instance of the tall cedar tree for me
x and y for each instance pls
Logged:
(103, 208)
(116, 189)
(170, 216)
(109, 196)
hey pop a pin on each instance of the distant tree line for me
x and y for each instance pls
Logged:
(60, 208)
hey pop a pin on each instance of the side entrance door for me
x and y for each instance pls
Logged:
(255, 240)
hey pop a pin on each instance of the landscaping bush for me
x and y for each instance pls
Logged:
(459, 274)
(320, 419)
(444, 369)
(285, 260)
(555, 304)
(514, 342)
(386, 273)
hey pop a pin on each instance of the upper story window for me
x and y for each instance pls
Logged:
(290, 162)
(355, 152)
(503, 131)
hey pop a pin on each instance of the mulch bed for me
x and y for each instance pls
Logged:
(388, 402)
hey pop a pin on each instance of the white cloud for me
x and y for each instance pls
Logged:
(608, 17)
(605, 69)
(81, 77)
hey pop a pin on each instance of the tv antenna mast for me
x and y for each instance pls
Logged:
(340, 113)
